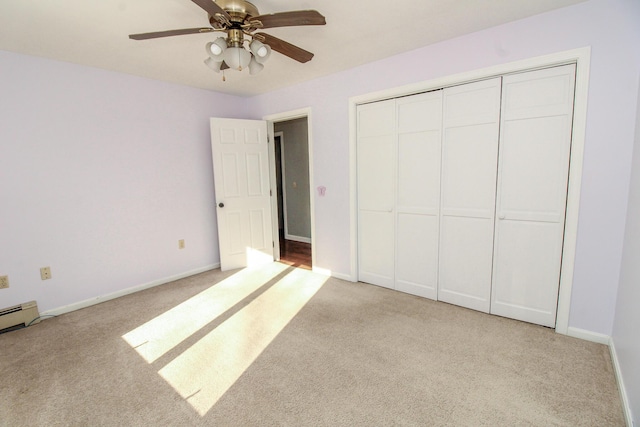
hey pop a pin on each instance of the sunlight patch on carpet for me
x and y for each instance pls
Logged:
(205, 371)
(161, 334)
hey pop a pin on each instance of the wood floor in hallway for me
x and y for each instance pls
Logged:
(297, 254)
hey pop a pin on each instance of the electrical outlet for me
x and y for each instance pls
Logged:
(4, 282)
(181, 244)
(45, 273)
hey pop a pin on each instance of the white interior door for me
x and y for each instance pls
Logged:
(469, 173)
(419, 129)
(535, 142)
(241, 177)
(376, 165)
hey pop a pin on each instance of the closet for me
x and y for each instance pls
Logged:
(461, 192)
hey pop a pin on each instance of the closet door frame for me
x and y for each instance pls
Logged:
(580, 57)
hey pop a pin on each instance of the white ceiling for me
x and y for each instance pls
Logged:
(95, 33)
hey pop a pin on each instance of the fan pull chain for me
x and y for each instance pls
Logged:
(224, 78)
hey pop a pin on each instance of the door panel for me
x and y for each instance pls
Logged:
(466, 251)
(417, 255)
(376, 173)
(376, 236)
(529, 257)
(418, 189)
(240, 168)
(419, 171)
(532, 187)
(534, 169)
(470, 163)
(469, 173)
(376, 165)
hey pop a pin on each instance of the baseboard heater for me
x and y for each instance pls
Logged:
(23, 314)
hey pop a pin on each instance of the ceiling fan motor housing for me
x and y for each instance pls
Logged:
(239, 10)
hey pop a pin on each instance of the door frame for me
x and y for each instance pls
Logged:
(283, 117)
(582, 58)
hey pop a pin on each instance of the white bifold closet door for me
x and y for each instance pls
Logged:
(535, 142)
(462, 192)
(469, 172)
(418, 193)
(376, 192)
(399, 193)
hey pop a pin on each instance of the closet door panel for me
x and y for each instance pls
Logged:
(419, 172)
(469, 162)
(534, 171)
(376, 174)
(417, 254)
(528, 257)
(376, 165)
(532, 188)
(466, 251)
(419, 113)
(376, 119)
(469, 169)
(418, 193)
(376, 248)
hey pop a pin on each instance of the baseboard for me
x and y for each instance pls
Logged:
(297, 238)
(588, 335)
(327, 272)
(608, 341)
(92, 301)
(626, 408)
(341, 276)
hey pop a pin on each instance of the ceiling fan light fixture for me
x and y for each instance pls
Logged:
(237, 58)
(254, 66)
(260, 51)
(216, 48)
(213, 64)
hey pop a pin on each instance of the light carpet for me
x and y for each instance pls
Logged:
(290, 347)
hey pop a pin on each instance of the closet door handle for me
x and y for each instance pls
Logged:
(221, 205)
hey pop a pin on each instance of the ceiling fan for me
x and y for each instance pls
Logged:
(239, 18)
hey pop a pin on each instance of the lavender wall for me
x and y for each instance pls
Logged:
(100, 175)
(610, 27)
(627, 317)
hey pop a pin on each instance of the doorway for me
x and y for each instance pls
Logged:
(292, 173)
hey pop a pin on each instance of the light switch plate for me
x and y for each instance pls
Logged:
(4, 282)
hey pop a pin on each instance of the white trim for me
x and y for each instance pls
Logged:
(588, 335)
(353, 186)
(626, 407)
(273, 186)
(326, 272)
(573, 193)
(581, 57)
(281, 117)
(342, 276)
(297, 238)
(284, 185)
(97, 300)
(284, 181)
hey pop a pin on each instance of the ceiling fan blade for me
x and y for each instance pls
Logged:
(212, 8)
(224, 66)
(168, 33)
(285, 48)
(289, 19)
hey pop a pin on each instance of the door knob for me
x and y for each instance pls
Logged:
(221, 205)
